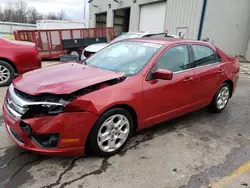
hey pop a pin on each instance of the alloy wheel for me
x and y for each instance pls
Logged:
(113, 133)
(4, 74)
(223, 97)
(75, 53)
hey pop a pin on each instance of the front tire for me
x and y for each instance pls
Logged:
(110, 133)
(7, 73)
(220, 99)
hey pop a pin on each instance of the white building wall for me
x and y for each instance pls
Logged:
(179, 13)
(248, 52)
(102, 6)
(86, 13)
(152, 17)
(7, 28)
(227, 25)
(184, 14)
(59, 24)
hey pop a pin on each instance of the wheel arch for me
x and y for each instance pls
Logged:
(122, 106)
(74, 49)
(231, 84)
(130, 109)
(10, 63)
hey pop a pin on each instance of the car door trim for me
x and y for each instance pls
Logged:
(197, 67)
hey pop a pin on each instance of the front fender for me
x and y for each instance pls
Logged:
(128, 92)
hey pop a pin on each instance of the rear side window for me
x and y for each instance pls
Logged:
(204, 56)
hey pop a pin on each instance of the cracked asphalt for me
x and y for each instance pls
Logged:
(197, 150)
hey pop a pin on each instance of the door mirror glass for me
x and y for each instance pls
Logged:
(162, 74)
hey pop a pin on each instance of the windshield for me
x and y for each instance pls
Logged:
(127, 57)
(126, 36)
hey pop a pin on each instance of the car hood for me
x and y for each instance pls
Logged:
(62, 79)
(95, 47)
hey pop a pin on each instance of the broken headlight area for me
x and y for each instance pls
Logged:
(47, 104)
(43, 110)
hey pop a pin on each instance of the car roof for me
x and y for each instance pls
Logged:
(160, 40)
(149, 32)
(164, 41)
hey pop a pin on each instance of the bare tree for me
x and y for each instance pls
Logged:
(18, 11)
(21, 11)
(9, 12)
(59, 16)
(52, 16)
(34, 15)
(1, 14)
(62, 15)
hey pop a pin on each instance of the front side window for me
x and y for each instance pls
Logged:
(127, 57)
(175, 59)
(204, 56)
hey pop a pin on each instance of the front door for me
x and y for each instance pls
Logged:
(166, 99)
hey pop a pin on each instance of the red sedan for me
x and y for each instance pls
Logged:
(94, 108)
(16, 57)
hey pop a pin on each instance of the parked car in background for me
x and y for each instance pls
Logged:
(17, 57)
(92, 49)
(128, 86)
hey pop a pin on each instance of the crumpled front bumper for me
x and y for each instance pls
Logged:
(73, 129)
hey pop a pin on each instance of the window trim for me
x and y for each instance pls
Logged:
(193, 55)
(194, 68)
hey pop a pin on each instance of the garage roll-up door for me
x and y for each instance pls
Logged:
(152, 17)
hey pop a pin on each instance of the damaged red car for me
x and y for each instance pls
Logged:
(93, 108)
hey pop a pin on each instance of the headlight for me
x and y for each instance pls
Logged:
(39, 110)
(53, 109)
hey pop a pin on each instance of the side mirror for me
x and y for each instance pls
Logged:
(162, 74)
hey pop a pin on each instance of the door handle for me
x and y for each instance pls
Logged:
(188, 79)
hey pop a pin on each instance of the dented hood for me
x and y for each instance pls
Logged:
(62, 79)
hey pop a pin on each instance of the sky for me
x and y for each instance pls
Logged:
(73, 8)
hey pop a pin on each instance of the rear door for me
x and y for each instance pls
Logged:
(207, 71)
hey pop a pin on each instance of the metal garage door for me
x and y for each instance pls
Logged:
(152, 17)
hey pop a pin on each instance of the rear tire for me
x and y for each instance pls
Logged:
(75, 52)
(220, 99)
(110, 133)
(7, 73)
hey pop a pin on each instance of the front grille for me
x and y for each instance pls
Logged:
(14, 109)
(23, 106)
(16, 136)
